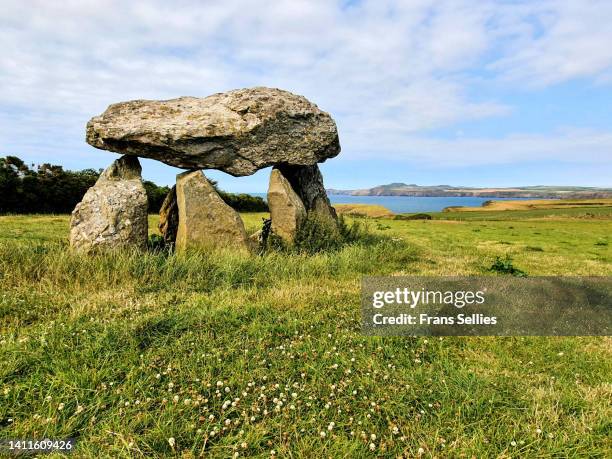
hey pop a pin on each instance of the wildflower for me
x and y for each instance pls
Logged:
(322, 434)
(512, 443)
(60, 406)
(172, 442)
(421, 451)
(372, 446)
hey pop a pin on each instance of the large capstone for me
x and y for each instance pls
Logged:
(238, 132)
(205, 221)
(113, 212)
(307, 182)
(286, 208)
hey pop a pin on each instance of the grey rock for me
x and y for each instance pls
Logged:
(307, 182)
(205, 221)
(169, 217)
(113, 212)
(238, 132)
(286, 208)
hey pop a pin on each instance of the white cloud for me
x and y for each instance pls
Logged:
(559, 41)
(389, 71)
(577, 146)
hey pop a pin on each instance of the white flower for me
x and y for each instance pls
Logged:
(372, 446)
(322, 434)
(420, 451)
(172, 442)
(60, 406)
(512, 443)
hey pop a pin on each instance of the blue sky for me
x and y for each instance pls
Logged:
(487, 93)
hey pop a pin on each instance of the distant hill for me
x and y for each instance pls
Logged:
(539, 191)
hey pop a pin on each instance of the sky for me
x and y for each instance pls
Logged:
(458, 92)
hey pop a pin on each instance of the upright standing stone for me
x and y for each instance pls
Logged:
(286, 208)
(205, 220)
(307, 182)
(169, 217)
(113, 212)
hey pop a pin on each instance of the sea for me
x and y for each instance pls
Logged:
(409, 204)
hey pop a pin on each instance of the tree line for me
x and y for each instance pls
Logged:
(48, 188)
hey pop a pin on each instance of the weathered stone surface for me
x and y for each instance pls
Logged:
(113, 212)
(307, 182)
(169, 217)
(286, 208)
(205, 220)
(237, 132)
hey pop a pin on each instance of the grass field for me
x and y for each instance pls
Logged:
(535, 204)
(216, 355)
(363, 210)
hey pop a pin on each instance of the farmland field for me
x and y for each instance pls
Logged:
(221, 355)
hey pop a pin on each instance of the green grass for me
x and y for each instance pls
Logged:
(127, 350)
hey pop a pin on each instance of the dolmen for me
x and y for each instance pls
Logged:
(238, 132)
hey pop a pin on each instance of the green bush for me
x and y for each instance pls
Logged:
(505, 266)
(318, 234)
(413, 217)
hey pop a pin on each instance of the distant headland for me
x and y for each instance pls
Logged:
(539, 191)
